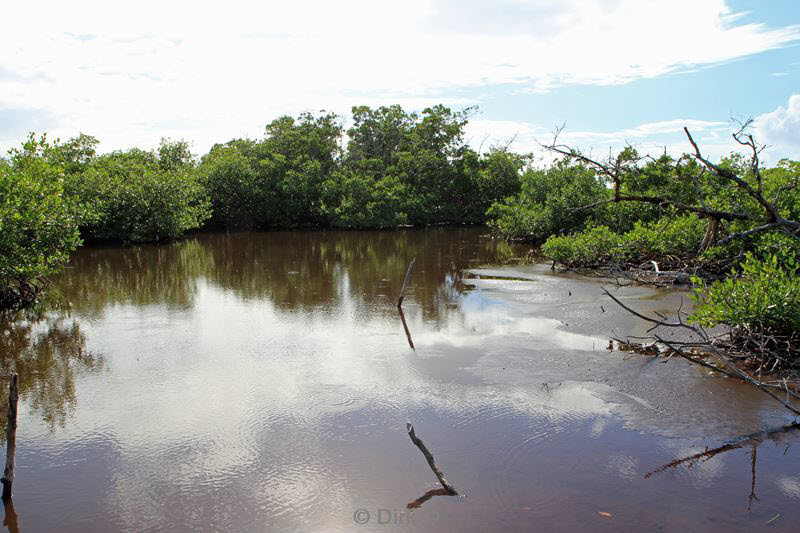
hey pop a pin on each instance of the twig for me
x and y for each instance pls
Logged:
(643, 317)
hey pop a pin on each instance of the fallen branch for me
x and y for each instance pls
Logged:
(732, 371)
(708, 345)
(643, 317)
(418, 443)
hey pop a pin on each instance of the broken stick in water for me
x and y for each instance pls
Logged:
(11, 437)
(418, 443)
(405, 327)
(405, 281)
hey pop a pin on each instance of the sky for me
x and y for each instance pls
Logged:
(610, 72)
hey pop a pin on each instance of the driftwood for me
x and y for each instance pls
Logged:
(418, 443)
(11, 437)
(405, 281)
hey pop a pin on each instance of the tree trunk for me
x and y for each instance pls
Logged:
(710, 238)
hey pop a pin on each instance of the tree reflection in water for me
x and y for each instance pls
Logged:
(296, 270)
(48, 351)
(753, 440)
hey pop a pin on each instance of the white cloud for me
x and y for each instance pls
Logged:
(780, 130)
(208, 72)
(649, 138)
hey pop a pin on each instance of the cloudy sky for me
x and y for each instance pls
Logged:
(612, 71)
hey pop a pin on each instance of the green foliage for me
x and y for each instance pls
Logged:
(678, 237)
(174, 155)
(137, 196)
(277, 181)
(299, 155)
(38, 225)
(762, 295)
(668, 240)
(75, 154)
(399, 168)
(782, 247)
(777, 185)
(358, 200)
(594, 246)
(427, 155)
(546, 203)
(498, 176)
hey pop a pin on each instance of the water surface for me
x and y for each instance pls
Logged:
(262, 381)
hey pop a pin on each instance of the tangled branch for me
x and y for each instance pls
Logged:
(727, 354)
(616, 168)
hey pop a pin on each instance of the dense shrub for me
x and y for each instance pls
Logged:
(276, 181)
(546, 203)
(358, 200)
(445, 180)
(777, 184)
(398, 168)
(137, 196)
(38, 225)
(594, 246)
(763, 296)
(671, 239)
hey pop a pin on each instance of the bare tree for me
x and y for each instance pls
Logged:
(767, 218)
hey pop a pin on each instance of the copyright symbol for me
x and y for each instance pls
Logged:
(361, 516)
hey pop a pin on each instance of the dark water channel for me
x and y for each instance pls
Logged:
(262, 382)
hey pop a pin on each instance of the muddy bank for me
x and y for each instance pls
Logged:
(576, 322)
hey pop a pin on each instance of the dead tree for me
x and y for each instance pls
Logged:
(766, 218)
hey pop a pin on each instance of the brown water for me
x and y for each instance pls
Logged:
(262, 381)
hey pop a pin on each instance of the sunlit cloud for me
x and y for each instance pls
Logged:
(780, 129)
(208, 73)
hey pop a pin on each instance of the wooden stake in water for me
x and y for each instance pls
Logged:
(405, 281)
(405, 327)
(429, 457)
(11, 437)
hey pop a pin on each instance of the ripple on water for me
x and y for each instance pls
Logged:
(512, 461)
(468, 419)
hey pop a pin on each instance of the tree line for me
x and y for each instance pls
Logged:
(394, 168)
(390, 168)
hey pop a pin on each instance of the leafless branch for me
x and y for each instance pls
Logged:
(615, 168)
(708, 345)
